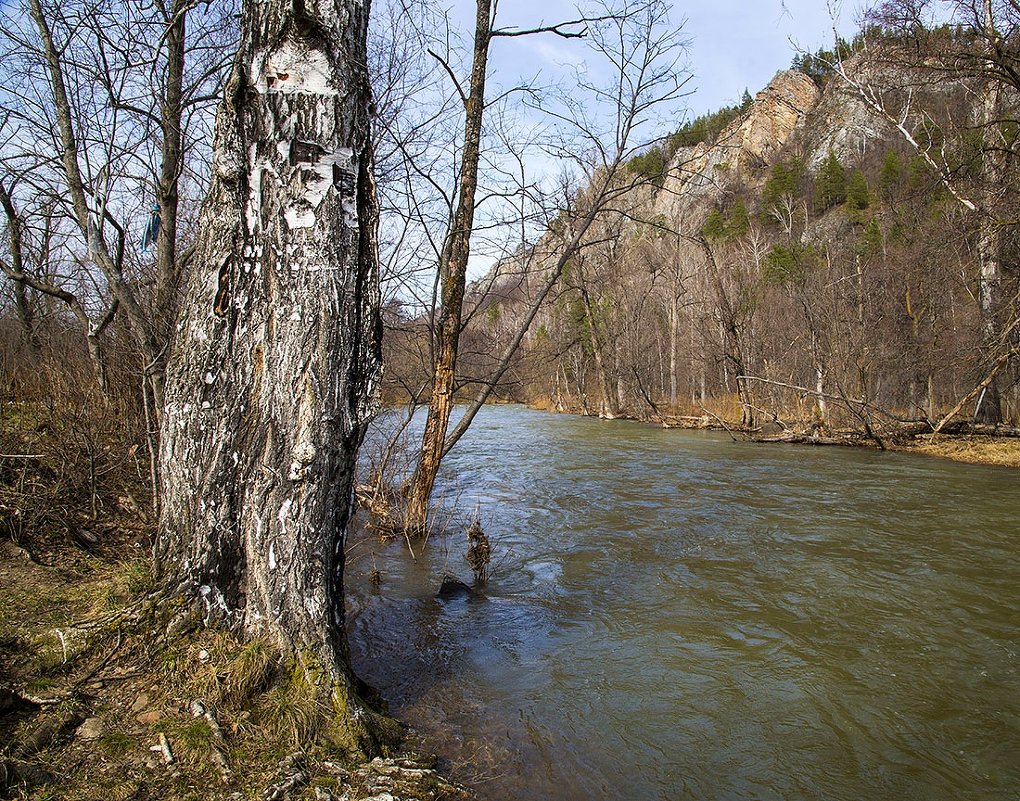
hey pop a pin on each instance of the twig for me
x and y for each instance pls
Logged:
(103, 663)
(163, 748)
(198, 710)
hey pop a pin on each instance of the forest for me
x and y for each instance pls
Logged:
(236, 234)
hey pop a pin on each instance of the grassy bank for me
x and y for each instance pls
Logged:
(106, 692)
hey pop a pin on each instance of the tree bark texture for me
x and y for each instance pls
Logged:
(991, 235)
(275, 354)
(453, 274)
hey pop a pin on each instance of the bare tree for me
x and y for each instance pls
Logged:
(644, 56)
(984, 51)
(105, 108)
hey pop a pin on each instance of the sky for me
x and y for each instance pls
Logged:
(734, 44)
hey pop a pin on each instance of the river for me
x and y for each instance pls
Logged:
(673, 615)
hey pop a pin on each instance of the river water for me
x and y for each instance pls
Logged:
(673, 615)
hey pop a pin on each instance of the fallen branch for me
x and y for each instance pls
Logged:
(294, 766)
(721, 422)
(999, 365)
(219, 755)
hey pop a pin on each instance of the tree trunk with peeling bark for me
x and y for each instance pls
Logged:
(275, 353)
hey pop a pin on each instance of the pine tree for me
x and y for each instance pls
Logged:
(739, 222)
(858, 197)
(715, 225)
(830, 183)
(870, 243)
(782, 180)
(891, 174)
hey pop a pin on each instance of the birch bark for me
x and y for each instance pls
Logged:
(275, 354)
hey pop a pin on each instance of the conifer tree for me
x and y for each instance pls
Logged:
(891, 174)
(858, 196)
(830, 183)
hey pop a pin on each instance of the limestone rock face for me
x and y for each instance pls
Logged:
(744, 147)
(778, 110)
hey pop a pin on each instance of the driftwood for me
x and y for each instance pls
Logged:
(898, 433)
(974, 392)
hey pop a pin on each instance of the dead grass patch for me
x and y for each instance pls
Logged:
(974, 450)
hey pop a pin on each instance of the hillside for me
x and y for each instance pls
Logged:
(805, 267)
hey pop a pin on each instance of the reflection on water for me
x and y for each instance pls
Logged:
(677, 616)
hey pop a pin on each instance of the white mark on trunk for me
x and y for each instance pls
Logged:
(293, 69)
(338, 169)
(213, 600)
(284, 513)
(272, 557)
(313, 606)
(304, 455)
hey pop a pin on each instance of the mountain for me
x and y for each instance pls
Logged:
(804, 264)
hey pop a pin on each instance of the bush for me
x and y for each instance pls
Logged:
(650, 165)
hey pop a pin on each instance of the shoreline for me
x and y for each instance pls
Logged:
(968, 447)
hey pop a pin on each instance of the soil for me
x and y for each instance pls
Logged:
(102, 700)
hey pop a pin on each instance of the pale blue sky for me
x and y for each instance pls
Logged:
(733, 43)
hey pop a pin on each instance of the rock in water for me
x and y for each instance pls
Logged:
(454, 588)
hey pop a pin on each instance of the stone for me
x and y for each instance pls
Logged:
(149, 718)
(91, 729)
(454, 588)
(140, 704)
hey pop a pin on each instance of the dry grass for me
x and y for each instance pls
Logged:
(136, 683)
(975, 450)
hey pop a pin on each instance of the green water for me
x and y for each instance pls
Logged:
(677, 616)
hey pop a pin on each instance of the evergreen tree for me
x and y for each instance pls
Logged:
(830, 183)
(746, 100)
(858, 197)
(740, 221)
(783, 180)
(891, 174)
(715, 225)
(870, 243)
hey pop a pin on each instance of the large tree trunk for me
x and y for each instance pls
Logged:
(275, 353)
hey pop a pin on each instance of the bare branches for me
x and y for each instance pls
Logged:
(571, 29)
(453, 76)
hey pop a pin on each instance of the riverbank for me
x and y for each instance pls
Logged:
(98, 703)
(102, 700)
(959, 441)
